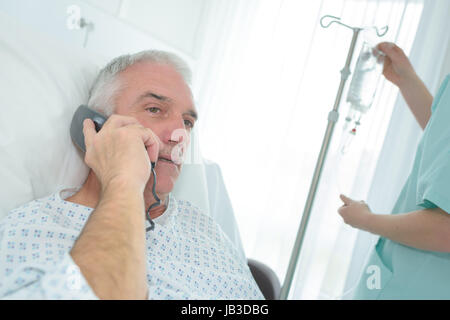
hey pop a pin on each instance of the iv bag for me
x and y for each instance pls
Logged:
(361, 92)
(364, 83)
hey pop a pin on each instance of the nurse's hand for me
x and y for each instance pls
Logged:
(397, 67)
(355, 213)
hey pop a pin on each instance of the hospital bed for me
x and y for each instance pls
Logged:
(41, 83)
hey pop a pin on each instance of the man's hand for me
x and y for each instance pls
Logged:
(119, 150)
(110, 250)
(355, 213)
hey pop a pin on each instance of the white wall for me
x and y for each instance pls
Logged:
(179, 23)
(120, 26)
(109, 6)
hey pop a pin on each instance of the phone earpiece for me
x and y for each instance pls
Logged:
(98, 122)
(76, 127)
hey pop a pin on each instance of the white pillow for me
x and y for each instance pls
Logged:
(41, 83)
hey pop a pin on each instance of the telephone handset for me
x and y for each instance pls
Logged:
(76, 133)
(76, 127)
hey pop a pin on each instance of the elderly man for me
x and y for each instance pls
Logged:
(92, 242)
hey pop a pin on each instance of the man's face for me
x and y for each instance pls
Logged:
(157, 96)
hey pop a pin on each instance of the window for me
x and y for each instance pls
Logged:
(264, 102)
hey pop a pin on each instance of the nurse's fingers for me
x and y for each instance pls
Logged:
(345, 199)
(389, 48)
(394, 52)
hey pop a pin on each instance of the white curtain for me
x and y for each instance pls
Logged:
(266, 79)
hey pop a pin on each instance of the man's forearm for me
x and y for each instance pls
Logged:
(110, 251)
(427, 229)
(418, 98)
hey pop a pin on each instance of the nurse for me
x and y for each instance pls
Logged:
(412, 258)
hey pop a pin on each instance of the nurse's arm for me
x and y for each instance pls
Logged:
(418, 98)
(399, 70)
(427, 229)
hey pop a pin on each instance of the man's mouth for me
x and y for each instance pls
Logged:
(166, 159)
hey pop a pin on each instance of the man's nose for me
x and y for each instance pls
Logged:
(174, 131)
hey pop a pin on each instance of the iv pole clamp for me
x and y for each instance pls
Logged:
(333, 116)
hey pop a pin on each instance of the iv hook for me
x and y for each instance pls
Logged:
(381, 33)
(337, 20)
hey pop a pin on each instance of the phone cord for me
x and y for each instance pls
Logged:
(157, 203)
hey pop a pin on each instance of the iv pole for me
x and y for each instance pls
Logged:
(333, 116)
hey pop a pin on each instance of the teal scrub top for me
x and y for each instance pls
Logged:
(396, 271)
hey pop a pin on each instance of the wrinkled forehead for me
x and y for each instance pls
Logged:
(145, 81)
(162, 79)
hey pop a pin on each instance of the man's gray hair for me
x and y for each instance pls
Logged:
(106, 86)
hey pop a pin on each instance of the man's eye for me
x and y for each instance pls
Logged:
(188, 124)
(153, 109)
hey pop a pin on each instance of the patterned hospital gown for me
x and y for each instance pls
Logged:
(188, 255)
